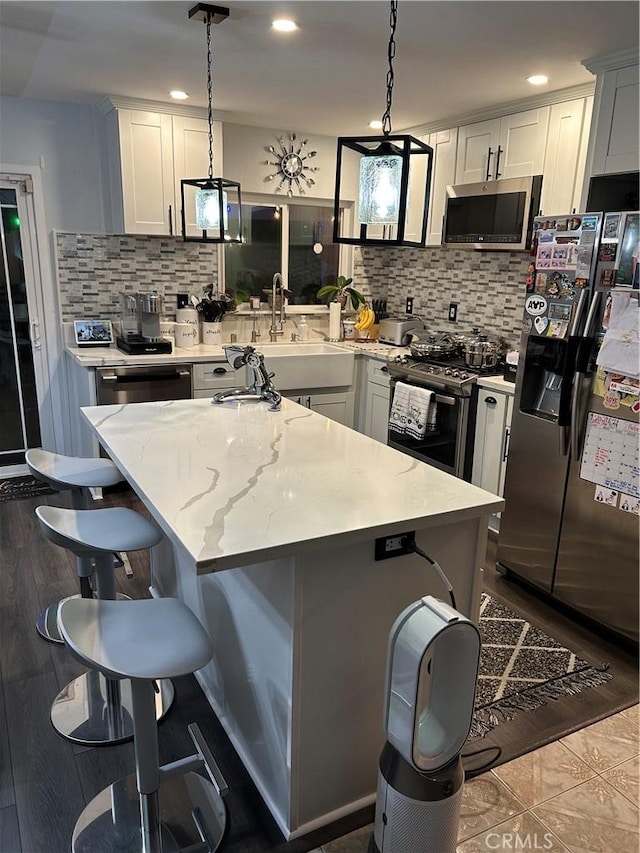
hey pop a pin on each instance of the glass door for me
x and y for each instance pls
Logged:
(19, 418)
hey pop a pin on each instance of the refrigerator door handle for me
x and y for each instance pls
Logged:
(573, 331)
(595, 302)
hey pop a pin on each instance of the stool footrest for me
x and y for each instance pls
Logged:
(210, 765)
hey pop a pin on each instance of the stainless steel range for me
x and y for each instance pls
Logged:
(449, 444)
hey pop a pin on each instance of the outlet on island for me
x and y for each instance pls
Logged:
(453, 312)
(409, 305)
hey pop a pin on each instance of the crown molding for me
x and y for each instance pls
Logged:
(612, 61)
(544, 99)
(111, 102)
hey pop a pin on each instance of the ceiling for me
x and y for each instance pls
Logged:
(453, 58)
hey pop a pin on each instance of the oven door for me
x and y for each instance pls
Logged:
(443, 448)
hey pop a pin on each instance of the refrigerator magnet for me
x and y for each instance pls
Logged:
(606, 496)
(535, 305)
(540, 324)
(630, 504)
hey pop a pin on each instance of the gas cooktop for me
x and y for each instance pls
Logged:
(452, 375)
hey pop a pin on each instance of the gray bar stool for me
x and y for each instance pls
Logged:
(159, 808)
(92, 710)
(70, 473)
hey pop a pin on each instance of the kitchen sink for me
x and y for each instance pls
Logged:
(299, 366)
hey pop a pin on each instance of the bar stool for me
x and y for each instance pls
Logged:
(70, 473)
(92, 710)
(159, 808)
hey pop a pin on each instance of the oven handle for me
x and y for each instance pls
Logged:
(445, 399)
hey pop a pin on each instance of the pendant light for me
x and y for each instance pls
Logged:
(394, 177)
(216, 202)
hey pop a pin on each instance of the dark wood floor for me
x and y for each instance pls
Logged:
(45, 781)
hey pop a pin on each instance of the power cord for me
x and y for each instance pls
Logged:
(410, 545)
(470, 771)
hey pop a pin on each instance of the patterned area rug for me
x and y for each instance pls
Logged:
(522, 668)
(16, 488)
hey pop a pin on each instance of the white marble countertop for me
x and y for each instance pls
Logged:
(111, 356)
(235, 483)
(497, 383)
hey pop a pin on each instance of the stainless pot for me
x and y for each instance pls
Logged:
(432, 346)
(481, 352)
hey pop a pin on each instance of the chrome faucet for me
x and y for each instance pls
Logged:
(277, 324)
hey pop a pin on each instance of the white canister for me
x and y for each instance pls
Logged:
(168, 330)
(186, 335)
(349, 329)
(212, 334)
(188, 314)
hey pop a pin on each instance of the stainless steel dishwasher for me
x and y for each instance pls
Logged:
(143, 384)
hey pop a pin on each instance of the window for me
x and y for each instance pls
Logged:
(294, 239)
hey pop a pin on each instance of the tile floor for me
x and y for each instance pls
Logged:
(580, 794)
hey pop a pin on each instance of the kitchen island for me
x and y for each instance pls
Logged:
(270, 521)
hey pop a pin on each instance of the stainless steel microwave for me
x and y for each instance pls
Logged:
(492, 214)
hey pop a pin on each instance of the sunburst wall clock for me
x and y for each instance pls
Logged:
(292, 170)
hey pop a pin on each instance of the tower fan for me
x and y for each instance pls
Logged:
(432, 667)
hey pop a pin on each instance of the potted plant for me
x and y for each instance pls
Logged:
(341, 292)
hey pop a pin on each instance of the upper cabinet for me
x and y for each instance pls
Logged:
(149, 154)
(565, 156)
(444, 144)
(509, 147)
(615, 143)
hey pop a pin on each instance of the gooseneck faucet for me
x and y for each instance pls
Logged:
(277, 324)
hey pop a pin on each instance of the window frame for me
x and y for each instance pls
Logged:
(345, 253)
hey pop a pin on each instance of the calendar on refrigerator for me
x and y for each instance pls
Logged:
(610, 455)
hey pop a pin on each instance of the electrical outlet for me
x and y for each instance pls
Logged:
(409, 305)
(393, 546)
(453, 312)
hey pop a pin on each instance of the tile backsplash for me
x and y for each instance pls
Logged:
(488, 287)
(93, 269)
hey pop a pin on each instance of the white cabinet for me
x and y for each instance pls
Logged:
(565, 156)
(210, 377)
(150, 153)
(616, 141)
(336, 406)
(491, 443)
(377, 401)
(509, 147)
(444, 144)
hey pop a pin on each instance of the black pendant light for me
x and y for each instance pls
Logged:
(215, 201)
(394, 179)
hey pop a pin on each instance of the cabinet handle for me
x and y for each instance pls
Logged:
(384, 370)
(491, 401)
(220, 370)
(489, 156)
(308, 402)
(170, 222)
(507, 439)
(500, 151)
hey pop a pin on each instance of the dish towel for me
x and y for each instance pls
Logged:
(422, 412)
(400, 408)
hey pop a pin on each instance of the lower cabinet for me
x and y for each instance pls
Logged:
(491, 444)
(210, 377)
(377, 402)
(337, 406)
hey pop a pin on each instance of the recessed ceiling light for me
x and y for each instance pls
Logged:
(283, 25)
(376, 124)
(179, 95)
(537, 79)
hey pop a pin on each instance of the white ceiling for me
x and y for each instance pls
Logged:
(453, 57)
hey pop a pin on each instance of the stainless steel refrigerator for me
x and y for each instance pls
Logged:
(570, 526)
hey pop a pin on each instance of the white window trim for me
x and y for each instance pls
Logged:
(345, 256)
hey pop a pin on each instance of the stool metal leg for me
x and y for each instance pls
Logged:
(145, 743)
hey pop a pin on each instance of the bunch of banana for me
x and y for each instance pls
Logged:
(366, 318)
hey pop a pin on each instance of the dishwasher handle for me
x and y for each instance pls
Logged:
(130, 377)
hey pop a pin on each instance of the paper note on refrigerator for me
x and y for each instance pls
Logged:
(610, 455)
(620, 350)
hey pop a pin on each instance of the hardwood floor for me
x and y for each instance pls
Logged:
(45, 781)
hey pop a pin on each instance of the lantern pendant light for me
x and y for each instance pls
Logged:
(216, 202)
(394, 179)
